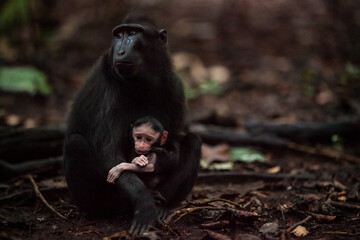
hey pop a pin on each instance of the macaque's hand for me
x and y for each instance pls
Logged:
(141, 161)
(114, 173)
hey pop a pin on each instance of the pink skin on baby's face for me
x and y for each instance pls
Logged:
(144, 137)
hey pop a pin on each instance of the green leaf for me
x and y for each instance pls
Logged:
(210, 87)
(338, 142)
(353, 71)
(246, 155)
(24, 79)
(224, 166)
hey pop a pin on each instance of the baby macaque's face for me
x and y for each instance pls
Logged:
(144, 137)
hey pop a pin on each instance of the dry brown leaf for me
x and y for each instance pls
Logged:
(219, 152)
(300, 231)
(324, 218)
(275, 169)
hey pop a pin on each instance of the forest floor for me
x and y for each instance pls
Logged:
(323, 199)
(272, 80)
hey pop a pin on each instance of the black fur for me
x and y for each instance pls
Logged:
(98, 131)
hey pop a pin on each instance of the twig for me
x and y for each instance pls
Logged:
(215, 235)
(305, 220)
(169, 229)
(215, 225)
(342, 233)
(222, 200)
(27, 192)
(190, 210)
(344, 205)
(14, 196)
(39, 194)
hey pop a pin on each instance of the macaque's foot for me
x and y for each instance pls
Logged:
(161, 214)
(145, 216)
(158, 198)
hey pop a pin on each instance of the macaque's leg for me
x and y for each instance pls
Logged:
(82, 174)
(179, 184)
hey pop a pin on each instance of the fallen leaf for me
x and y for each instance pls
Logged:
(275, 169)
(270, 227)
(323, 218)
(300, 231)
(226, 166)
(220, 153)
(246, 155)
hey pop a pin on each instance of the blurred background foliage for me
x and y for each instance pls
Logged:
(281, 61)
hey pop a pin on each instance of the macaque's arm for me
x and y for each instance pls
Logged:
(135, 168)
(140, 161)
(115, 172)
(166, 160)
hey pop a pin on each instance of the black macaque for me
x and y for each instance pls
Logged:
(133, 79)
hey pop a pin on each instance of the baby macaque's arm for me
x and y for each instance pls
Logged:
(115, 172)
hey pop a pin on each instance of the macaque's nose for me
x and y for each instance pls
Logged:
(141, 146)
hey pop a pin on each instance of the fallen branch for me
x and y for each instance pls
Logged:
(242, 177)
(215, 225)
(20, 144)
(8, 170)
(215, 135)
(306, 130)
(217, 236)
(39, 194)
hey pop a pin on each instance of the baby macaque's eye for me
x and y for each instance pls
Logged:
(148, 139)
(138, 137)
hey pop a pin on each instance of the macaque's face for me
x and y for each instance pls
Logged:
(144, 138)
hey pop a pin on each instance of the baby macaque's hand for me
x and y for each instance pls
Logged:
(114, 174)
(141, 161)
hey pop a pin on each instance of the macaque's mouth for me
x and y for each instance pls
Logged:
(124, 64)
(125, 68)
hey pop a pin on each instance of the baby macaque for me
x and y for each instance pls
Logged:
(149, 137)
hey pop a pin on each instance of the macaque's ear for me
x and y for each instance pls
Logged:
(164, 138)
(163, 36)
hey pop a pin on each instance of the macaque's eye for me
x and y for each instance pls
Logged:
(148, 139)
(119, 35)
(138, 137)
(131, 33)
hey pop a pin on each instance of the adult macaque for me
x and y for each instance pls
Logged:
(149, 138)
(134, 78)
